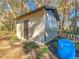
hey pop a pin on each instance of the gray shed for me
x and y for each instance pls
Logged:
(39, 25)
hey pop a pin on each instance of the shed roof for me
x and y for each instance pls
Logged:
(40, 9)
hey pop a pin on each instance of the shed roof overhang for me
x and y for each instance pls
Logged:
(41, 10)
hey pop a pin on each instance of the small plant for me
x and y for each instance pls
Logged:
(28, 46)
(55, 44)
(43, 50)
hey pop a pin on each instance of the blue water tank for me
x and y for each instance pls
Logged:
(66, 49)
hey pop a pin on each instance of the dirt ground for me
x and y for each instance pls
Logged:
(15, 51)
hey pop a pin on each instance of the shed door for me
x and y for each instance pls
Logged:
(20, 29)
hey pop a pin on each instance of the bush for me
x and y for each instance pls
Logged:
(43, 50)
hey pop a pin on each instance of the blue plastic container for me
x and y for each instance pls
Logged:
(66, 49)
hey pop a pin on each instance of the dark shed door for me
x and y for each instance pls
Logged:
(26, 29)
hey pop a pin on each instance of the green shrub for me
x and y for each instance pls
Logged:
(28, 46)
(43, 50)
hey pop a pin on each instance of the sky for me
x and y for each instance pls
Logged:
(72, 15)
(31, 4)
